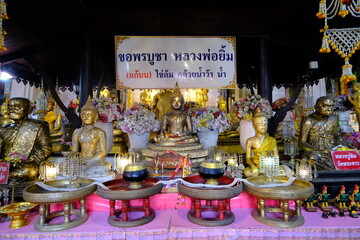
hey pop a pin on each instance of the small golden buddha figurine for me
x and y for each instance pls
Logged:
(319, 133)
(176, 127)
(222, 104)
(54, 118)
(356, 101)
(259, 144)
(145, 97)
(92, 142)
(5, 119)
(202, 97)
(25, 139)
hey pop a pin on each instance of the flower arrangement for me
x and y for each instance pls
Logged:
(138, 120)
(245, 108)
(190, 106)
(74, 104)
(210, 118)
(342, 104)
(109, 110)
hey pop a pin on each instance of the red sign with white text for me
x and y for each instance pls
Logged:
(346, 160)
(4, 172)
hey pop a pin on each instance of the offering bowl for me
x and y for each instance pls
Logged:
(211, 170)
(135, 173)
(18, 213)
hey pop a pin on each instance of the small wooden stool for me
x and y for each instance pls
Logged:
(118, 189)
(208, 195)
(44, 198)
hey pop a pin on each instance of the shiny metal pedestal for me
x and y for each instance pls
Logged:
(44, 198)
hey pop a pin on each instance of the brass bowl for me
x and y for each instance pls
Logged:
(211, 170)
(135, 173)
(299, 189)
(18, 213)
(37, 194)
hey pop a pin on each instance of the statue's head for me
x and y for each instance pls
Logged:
(176, 99)
(260, 122)
(324, 106)
(51, 104)
(19, 108)
(89, 114)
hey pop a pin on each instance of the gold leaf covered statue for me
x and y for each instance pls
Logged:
(259, 144)
(25, 143)
(90, 141)
(54, 118)
(319, 133)
(176, 127)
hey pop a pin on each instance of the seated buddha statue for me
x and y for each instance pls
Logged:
(90, 141)
(176, 127)
(176, 134)
(54, 118)
(259, 144)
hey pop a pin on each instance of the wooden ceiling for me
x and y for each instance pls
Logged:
(52, 35)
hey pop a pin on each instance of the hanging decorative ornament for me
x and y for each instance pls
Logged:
(344, 41)
(338, 8)
(41, 103)
(3, 16)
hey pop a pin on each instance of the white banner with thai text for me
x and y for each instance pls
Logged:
(144, 62)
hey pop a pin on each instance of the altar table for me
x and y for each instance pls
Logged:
(173, 224)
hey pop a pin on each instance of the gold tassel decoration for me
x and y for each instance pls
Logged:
(347, 76)
(322, 9)
(325, 45)
(343, 11)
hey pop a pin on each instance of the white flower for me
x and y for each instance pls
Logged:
(138, 120)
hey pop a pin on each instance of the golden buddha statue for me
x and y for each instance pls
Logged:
(202, 96)
(356, 101)
(25, 143)
(145, 97)
(54, 118)
(5, 119)
(161, 103)
(176, 133)
(91, 142)
(259, 144)
(319, 133)
(222, 104)
(176, 127)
